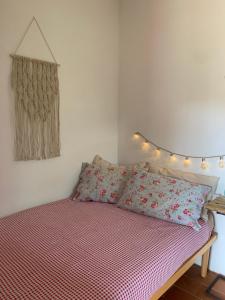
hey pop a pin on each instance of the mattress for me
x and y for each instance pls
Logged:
(76, 250)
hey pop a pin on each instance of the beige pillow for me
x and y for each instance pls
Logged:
(98, 160)
(211, 181)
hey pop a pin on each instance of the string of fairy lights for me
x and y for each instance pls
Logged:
(173, 155)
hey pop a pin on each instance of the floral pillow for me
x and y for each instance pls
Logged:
(164, 197)
(103, 184)
(83, 167)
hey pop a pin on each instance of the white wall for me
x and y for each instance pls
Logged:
(84, 39)
(172, 84)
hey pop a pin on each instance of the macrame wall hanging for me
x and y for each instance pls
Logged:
(36, 92)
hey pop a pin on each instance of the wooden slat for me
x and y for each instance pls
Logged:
(217, 205)
(205, 263)
(183, 269)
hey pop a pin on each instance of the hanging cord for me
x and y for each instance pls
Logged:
(42, 34)
(175, 153)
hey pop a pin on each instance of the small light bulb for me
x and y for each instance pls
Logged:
(145, 146)
(187, 162)
(173, 157)
(221, 162)
(136, 136)
(204, 164)
(157, 152)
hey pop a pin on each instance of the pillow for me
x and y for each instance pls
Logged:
(83, 167)
(100, 183)
(164, 197)
(98, 160)
(211, 181)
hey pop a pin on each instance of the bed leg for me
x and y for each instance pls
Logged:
(205, 263)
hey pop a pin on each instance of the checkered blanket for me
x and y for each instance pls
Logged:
(73, 250)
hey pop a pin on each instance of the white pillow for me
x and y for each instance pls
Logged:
(98, 160)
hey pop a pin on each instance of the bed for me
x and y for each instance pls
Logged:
(85, 250)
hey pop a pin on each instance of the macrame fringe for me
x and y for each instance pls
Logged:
(36, 89)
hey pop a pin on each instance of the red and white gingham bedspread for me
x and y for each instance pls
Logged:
(68, 250)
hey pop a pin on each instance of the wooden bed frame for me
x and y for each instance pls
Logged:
(204, 252)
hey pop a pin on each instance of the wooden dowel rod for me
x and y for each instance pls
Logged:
(34, 59)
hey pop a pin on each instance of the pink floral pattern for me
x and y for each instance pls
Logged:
(166, 198)
(103, 184)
